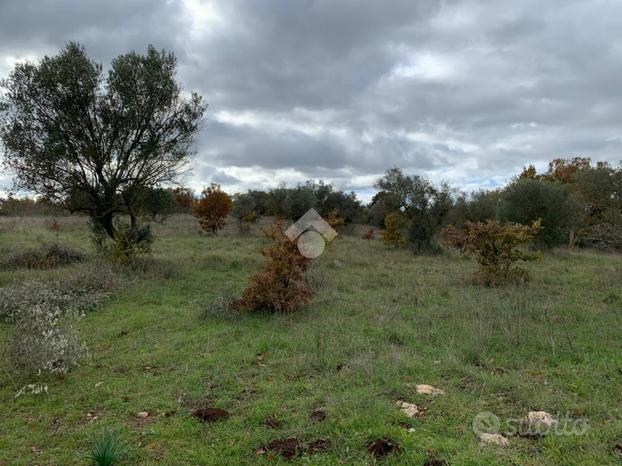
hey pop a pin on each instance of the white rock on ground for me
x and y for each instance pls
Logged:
(428, 390)
(409, 409)
(493, 439)
(541, 419)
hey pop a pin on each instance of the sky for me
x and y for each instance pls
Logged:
(466, 92)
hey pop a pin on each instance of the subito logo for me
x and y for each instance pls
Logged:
(311, 232)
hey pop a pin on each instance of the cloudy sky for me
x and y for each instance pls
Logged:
(467, 92)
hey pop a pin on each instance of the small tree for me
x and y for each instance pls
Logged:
(281, 284)
(212, 208)
(392, 233)
(496, 249)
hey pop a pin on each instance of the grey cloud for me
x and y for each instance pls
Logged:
(468, 91)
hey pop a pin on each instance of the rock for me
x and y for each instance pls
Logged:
(410, 409)
(424, 389)
(493, 439)
(143, 414)
(541, 419)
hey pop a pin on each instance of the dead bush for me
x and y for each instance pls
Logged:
(281, 284)
(46, 256)
(496, 249)
(79, 292)
(43, 340)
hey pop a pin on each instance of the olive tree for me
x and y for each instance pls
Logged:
(96, 141)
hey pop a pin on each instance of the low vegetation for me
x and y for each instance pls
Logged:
(45, 256)
(496, 247)
(379, 324)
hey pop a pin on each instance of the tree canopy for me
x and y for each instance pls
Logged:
(93, 141)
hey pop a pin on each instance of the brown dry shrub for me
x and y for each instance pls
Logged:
(281, 284)
(496, 249)
(369, 234)
(393, 226)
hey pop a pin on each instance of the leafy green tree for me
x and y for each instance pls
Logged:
(528, 200)
(424, 206)
(96, 142)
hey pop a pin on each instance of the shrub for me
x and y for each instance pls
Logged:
(108, 449)
(78, 292)
(212, 208)
(281, 284)
(130, 243)
(221, 305)
(335, 219)
(495, 247)
(392, 233)
(369, 234)
(42, 340)
(47, 256)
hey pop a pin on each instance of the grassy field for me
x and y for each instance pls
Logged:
(381, 322)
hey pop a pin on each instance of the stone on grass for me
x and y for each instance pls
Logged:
(409, 409)
(541, 419)
(425, 389)
(493, 439)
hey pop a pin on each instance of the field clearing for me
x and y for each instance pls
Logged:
(381, 322)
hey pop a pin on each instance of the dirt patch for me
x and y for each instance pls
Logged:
(382, 447)
(210, 414)
(272, 422)
(320, 445)
(434, 462)
(317, 415)
(288, 448)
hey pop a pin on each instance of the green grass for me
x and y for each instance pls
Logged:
(381, 322)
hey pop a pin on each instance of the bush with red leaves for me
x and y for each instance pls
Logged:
(212, 208)
(496, 248)
(281, 284)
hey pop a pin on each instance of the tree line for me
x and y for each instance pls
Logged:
(106, 144)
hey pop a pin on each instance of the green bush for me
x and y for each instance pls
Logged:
(108, 449)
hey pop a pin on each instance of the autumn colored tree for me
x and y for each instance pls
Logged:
(184, 197)
(212, 208)
(496, 247)
(280, 285)
(392, 233)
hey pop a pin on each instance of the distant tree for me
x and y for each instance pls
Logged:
(478, 206)
(212, 208)
(527, 200)
(184, 197)
(92, 142)
(424, 206)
